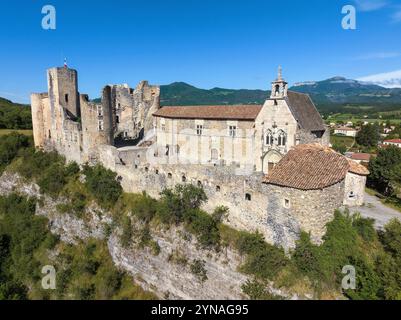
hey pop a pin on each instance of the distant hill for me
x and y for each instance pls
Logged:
(181, 93)
(14, 115)
(336, 94)
(342, 90)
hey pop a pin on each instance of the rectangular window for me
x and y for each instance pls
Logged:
(287, 203)
(163, 126)
(66, 97)
(100, 125)
(232, 131)
(199, 129)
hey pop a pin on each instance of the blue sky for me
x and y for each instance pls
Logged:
(207, 43)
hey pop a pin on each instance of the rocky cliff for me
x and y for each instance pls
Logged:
(158, 273)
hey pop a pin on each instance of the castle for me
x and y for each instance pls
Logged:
(270, 164)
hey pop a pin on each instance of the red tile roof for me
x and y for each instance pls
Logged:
(355, 167)
(234, 112)
(312, 167)
(393, 141)
(361, 156)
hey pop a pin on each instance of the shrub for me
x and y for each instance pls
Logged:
(198, 269)
(249, 243)
(364, 227)
(53, 180)
(72, 169)
(367, 281)
(178, 202)
(340, 244)
(263, 260)
(127, 233)
(144, 207)
(306, 257)
(102, 184)
(204, 227)
(220, 213)
(257, 290)
(10, 146)
(391, 238)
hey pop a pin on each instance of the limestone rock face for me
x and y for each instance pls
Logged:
(157, 273)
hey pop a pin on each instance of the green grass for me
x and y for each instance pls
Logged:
(4, 132)
(345, 117)
(348, 142)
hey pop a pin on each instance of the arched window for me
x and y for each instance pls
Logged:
(269, 138)
(282, 138)
(277, 90)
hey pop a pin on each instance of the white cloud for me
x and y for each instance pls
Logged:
(378, 55)
(387, 79)
(370, 5)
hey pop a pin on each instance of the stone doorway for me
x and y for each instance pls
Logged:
(270, 159)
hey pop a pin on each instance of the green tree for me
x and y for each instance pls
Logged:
(368, 136)
(385, 170)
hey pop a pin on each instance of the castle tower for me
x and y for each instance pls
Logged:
(279, 86)
(63, 90)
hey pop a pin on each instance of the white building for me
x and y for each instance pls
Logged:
(393, 142)
(344, 131)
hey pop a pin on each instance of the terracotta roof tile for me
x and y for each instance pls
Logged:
(357, 168)
(309, 167)
(361, 156)
(234, 112)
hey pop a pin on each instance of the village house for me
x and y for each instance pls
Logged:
(346, 131)
(392, 142)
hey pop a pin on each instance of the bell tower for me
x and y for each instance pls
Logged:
(279, 86)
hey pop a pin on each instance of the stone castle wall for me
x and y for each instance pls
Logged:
(252, 205)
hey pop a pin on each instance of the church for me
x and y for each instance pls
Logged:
(250, 137)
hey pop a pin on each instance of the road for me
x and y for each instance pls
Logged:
(373, 208)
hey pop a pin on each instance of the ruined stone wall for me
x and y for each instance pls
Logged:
(133, 109)
(253, 205)
(64, 83)
(38, 108)
(96, 125)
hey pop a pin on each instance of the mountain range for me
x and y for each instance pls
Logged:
(337, 94)
(333, 91)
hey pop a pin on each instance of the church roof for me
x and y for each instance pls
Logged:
(304, 111)
(312, 167)
(233, 112)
